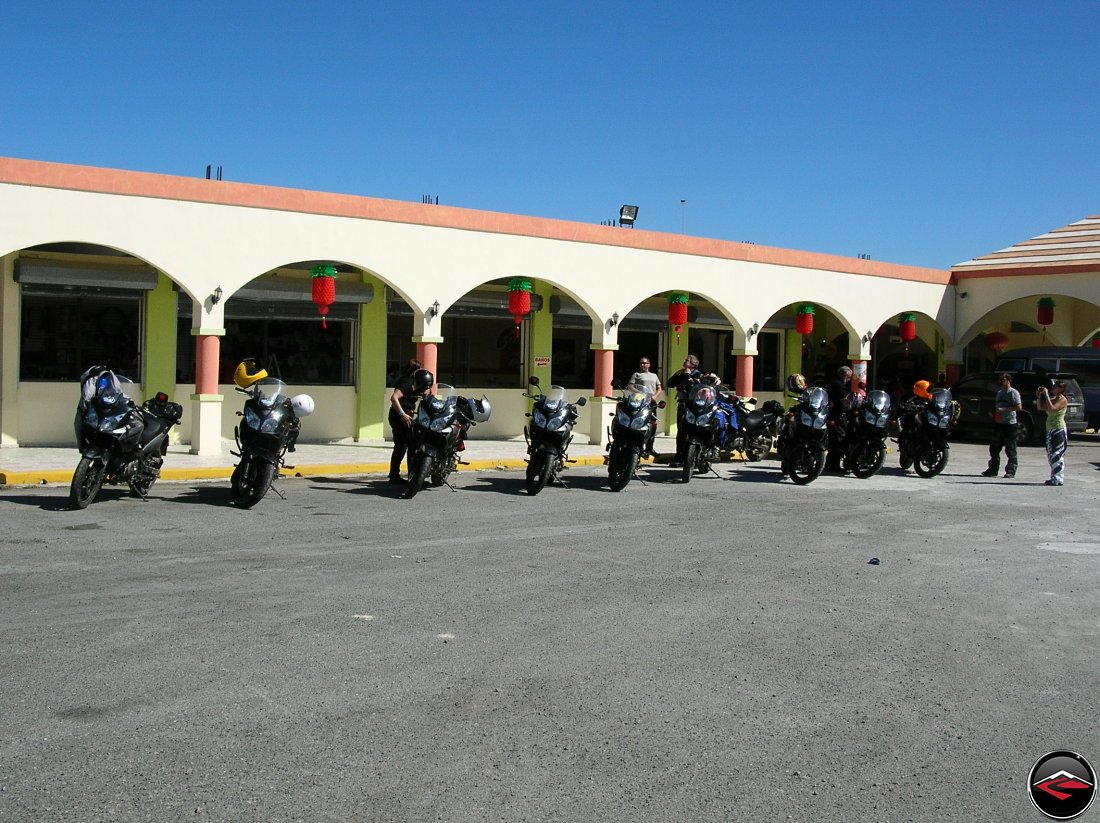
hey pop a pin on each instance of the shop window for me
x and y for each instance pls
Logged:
(65, 331)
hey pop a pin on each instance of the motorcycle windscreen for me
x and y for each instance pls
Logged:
(269, 390)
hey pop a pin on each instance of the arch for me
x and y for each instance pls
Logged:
(980, 322)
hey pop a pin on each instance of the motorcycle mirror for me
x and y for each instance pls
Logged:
(616, 383)
(581, 401)
(532, 380)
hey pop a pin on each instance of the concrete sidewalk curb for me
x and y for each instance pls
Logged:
(58, 476)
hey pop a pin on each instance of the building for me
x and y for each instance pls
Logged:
(172, 280)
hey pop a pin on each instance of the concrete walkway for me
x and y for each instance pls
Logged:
(41, 466)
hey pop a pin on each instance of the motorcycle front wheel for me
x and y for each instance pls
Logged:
(538, 472)
(621, 469)
(421, 472)
(250, 482)
(691, 454)
(931, 460)
(805, 464)
(87, 481)
(866, 459)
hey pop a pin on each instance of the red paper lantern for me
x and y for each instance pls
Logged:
(1045, 315)
(804, 320)
(907, 327)
(324, 290)
(997, 340)
(1096, 341)
(519, 299)
(678, 311)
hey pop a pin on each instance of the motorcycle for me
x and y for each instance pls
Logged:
(632, 427)
(438, 435)
(802, 442)
(119, 441)
(922, 432)
(548, 439)
(752, 432)
(272, 422)
(863, 441)
(703, 424)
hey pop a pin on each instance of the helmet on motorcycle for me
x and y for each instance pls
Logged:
(796, 383)
(248, 371)
(422, 380)
(921, 389)
(302, 404)
(480, 409)
(711, 379)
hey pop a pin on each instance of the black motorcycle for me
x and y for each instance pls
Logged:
(438, 435)
(119, 441)
(272, 422)
(548, 439)
(802, 440)
(923, 426)
(630, 434)
(753, 432)
(702, 429)
(863, 440)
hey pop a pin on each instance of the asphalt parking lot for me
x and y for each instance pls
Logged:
(722, 650)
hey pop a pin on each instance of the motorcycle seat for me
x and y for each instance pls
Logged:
(755, 419)
(154, 425)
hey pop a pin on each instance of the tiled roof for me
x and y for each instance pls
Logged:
(1070, 248)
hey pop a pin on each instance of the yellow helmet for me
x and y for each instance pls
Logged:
(248, 372)
(920, 389)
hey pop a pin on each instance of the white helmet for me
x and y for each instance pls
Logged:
(480, 409)
(302, 405)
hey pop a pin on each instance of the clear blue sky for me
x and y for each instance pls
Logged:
(917, 132)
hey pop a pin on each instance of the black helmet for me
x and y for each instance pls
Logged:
(422, 380)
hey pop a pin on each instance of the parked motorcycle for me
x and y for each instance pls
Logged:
(923, 429)
(752, 432)
(703, 424)
(119, 441)
(630, 433)
(548, 439)
(863, 441)
(272, 422)
(802, 440)
(438, 435)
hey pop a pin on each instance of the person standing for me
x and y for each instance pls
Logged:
(647, 381)
(406, 395)
(1054, 403)
(838, 389)
(1005, 405)
(681, 381)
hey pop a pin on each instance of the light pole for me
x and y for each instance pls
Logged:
(683, 216)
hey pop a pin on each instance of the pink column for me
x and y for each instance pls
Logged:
(954, 373)
(605, 370)
(207, 354)
(744, 375)
(428, 354)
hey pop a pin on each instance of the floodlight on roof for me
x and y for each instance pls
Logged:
(627, 215)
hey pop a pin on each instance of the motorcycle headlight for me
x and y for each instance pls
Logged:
(623, 419)
(91, 416)
(440, 424)
(552, 423)
(115, 423)
(251, 419)
(639, 422)
(697, 419)
(270, 425)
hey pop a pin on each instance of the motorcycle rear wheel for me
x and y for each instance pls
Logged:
(805, 465)
(250, 482)
(691, 454)
(931, 461)
(421, 472)
(538, 473)
(621, 469)
(866, 459)
(87, 481)
(758, 448)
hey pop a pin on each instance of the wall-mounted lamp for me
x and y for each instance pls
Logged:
(433, 311)
(867, 337)
(752, 330)
(216, 297)
(614, 321)
(963, 294)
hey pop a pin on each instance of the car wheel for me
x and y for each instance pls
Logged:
(1025, 430)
